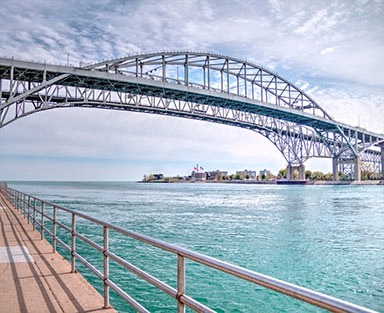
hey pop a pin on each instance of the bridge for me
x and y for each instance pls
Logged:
(202, 86)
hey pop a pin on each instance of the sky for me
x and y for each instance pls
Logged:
(333, 50)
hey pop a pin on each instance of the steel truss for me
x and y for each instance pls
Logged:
(202, 86)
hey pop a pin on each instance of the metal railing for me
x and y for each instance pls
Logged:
(35, 211)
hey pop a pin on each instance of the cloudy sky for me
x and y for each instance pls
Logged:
(334, 50)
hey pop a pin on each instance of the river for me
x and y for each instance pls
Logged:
(326, 238)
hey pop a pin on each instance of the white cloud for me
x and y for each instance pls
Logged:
(356, 107)
(311, 27)
(327, 50)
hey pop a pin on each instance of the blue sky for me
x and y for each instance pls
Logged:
(331, 49)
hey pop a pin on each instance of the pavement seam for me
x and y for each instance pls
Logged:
(50, 288)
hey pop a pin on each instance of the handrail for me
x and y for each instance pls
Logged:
(24, 203)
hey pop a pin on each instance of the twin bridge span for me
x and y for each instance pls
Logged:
(202, 86)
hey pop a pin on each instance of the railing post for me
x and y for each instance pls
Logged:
(73, 244)
(21, 205)
(34, 214)
(18, 202)
(180, 283)
(28, 207)
(54, 228)
(106, 266)
(24, 205)
(42, 220)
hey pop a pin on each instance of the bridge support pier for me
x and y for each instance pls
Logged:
(350, 168)
(291, 172)
(357, 172)
(335, 170)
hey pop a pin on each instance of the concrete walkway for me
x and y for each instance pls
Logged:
(33, 278)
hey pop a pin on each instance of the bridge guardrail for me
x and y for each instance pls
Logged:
(36, 211)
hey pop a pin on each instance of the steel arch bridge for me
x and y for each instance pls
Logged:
(196, 85)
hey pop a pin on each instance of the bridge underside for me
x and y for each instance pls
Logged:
(292, 121)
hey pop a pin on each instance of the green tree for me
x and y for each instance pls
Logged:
(367, 173)
(328, 176)
(317, 175)
(308, 174)
(282, 173)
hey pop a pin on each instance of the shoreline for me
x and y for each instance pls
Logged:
(274, 182)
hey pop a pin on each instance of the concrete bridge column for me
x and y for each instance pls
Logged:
(335, 170)
(350, 167)
(357, 169)
(301, 172)
(289, 172)
(292, 168)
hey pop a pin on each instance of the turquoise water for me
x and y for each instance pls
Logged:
(326, 238)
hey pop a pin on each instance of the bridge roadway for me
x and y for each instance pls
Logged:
(33, 279)
(200, 86)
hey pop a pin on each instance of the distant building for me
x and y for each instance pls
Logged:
(216, 175)
(246, 174)
(198, 176)
(264, 173)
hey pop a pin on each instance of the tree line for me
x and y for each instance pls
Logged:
(366, 174)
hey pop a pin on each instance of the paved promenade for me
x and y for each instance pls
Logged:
(33, 278)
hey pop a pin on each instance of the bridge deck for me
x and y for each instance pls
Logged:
(32, 277)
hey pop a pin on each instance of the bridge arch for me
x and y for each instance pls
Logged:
(205, 86)
(219, 73)
(232, 76)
